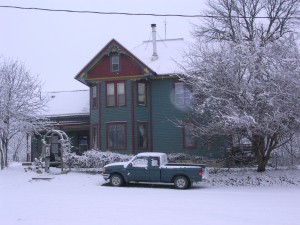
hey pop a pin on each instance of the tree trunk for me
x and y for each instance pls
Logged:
(262, 165)
(6, 153)
(1, 159)
(258, 145)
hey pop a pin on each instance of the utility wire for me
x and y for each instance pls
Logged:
(126, 13)
(97, 12)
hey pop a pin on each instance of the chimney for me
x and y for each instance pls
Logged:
(154, 56)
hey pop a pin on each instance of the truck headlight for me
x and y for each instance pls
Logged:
(103, 170)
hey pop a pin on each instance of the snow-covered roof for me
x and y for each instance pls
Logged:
(152, 154)
(68, 103)
(169, 51)
(162, 156)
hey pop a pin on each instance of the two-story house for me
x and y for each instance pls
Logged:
(136, 98)
(134, 103)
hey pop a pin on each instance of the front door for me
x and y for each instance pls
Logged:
(154, 169)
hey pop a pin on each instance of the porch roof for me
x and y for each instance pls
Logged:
(67, 103)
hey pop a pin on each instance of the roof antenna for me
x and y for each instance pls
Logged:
(165, 22)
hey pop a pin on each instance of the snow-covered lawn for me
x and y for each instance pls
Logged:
(84, 199)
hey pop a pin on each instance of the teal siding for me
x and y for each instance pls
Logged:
(115, 114)
(166, 136)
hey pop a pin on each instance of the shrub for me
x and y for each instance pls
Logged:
(93, 159)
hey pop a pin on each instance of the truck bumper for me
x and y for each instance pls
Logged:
(105, 176)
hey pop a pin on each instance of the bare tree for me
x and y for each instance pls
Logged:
(249, 90)
(248, 70)
(21, 104)
(245, 20)
(18, 147)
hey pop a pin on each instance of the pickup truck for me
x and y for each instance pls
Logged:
(153, 167)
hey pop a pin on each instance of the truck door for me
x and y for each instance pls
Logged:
(138, 170)
(154, 169)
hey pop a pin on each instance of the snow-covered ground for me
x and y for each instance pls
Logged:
(81, 198)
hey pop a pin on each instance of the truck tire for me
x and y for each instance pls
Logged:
(116, 180)
(181, 182)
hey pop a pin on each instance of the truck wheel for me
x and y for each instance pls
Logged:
(116, 180)
(181, 182)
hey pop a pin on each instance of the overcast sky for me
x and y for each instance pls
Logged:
(56, 45)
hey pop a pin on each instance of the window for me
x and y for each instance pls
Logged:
(110, 93)
(116, 136)
(143, 135)
(154, 162)
(94, 97)
(182, 94)
(142, 94)
(115, 63)
(120, 94)
(95, 138)
(83, 144)
(140, 162)
(189, 139)
(115, 94)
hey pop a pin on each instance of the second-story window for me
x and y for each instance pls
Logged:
(94, 97)
(142, 94)
(121, 94)
(115, 94)
(115, 63)
(182, 94)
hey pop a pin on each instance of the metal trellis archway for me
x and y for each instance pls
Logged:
(64, 142)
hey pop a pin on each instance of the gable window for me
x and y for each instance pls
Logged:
(115, 63)
(189, 140)
(116, 135)
(142, 98)
(182, 94)
(115, 94)
(94, 97)
(142, 135)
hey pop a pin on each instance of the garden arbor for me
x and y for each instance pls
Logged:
(64, 142)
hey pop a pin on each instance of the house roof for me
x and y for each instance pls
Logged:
(68, 103)
(169, 51)
(170, 55)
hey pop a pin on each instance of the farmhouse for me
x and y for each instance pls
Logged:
(135, 101)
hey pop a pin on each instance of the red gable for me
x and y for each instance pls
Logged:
(99, 68)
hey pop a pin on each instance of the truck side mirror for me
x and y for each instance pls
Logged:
(129, 165)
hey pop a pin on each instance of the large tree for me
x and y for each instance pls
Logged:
(21, 104)
(249, 72)
(237, 20)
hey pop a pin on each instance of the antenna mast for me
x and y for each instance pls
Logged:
(165, 22)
